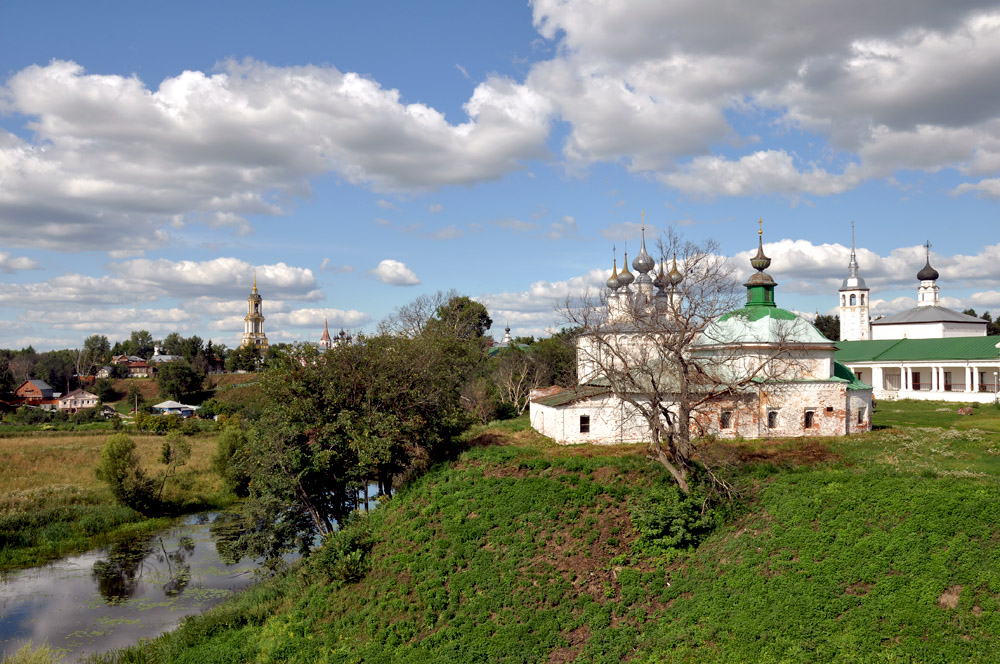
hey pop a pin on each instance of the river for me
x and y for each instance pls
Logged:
(111, 598)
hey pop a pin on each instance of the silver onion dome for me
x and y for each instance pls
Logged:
(613, 282)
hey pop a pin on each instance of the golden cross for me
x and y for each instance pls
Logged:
(760, 222)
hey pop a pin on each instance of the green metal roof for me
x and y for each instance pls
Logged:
(754, 313)
(908, 350)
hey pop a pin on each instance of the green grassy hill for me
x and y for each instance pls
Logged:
(878, 548)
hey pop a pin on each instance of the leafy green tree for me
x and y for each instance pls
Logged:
(96, 349)
(104, 388)
(829, 326)
(366, 411)
(462, 318)
(227, 445)
(244, 358)
(140, 343)
(175, 453)
(176, 379)
(120, 468)
(556, 357)
(57, 368)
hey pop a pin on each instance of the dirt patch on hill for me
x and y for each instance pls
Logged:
(777, 452)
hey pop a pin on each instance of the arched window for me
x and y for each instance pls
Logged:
(854, 300)
(862, 299)
(843, 300)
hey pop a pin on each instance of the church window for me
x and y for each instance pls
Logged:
(829, 409)
(861, 415)
(726, 421)
(862, 299)
(772, 419)
(585, 424)
(810, 419)
(843, 300)
(854, 300)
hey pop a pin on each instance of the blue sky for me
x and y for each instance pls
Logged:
(359, 155)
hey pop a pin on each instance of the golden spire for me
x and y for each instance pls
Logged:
(255, 280)
(760, 224)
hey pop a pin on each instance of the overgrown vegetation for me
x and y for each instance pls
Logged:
(519, 550)
(52, 503)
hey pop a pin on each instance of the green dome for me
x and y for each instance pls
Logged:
(761, 325)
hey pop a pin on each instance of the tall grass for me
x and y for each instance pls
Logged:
(51, 503)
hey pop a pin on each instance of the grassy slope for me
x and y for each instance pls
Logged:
(876, 548)
(52, 504)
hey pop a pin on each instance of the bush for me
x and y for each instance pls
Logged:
(227, 445)
(670, 521)
(119, 467)
(344, 556)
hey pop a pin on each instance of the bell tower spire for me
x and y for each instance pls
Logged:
(855, 316)
(253, 324)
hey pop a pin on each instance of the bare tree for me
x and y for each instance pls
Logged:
(515, 373)
(410, 319)
(665, 349)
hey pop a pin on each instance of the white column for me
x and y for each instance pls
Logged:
(908, 378)
(934, 379)
(975, 378)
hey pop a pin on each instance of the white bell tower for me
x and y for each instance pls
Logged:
(855, 318)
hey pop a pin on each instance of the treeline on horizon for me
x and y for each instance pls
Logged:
(501, 390)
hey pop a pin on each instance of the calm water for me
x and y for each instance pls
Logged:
(113, 597)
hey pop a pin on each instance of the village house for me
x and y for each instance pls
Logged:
(77, 400)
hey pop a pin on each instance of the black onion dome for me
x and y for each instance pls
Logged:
(928, 273)
(760, 262)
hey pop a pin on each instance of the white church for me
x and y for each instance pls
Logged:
(928, 352)
(786, 382)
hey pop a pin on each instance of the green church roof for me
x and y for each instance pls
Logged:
(910, 350)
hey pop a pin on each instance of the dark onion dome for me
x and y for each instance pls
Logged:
(612, 281)
(928, 273)
(760, 262)
(625, 277)
(675, 275)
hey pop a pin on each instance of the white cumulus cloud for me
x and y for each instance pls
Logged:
(395, 273)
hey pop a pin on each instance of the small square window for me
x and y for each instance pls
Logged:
(829, 409)
(772, 419)
(810, 417)
(726, 421)
(585, 424)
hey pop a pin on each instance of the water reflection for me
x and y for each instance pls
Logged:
(118, 575)
(113, 597)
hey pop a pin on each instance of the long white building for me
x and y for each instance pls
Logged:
(927, 352)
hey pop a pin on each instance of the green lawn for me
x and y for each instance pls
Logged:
(877, 548)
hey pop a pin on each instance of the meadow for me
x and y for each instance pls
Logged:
(876, 548)
(52, 504)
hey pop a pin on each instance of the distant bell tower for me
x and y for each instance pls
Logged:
(855, 318)
(253, 332)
